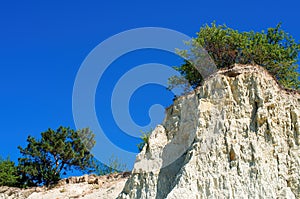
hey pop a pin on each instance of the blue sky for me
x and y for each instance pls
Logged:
(43, 44)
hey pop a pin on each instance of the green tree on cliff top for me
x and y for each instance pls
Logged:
(274, 50)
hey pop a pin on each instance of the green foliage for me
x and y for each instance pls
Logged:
(275, 50)
(56, 152)
(190, 77)
(145, 139)
(8, 173)
(114, 166)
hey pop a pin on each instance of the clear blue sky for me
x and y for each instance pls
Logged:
(43, 44)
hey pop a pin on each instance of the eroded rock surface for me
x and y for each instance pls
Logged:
(237, 136)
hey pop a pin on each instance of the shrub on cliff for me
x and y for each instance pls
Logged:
(275, 50)
(145, 139)
(56, 152)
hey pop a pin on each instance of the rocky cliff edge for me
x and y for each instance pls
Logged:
(236, 136)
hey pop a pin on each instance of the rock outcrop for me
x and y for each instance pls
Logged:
(87, 186)
(236, 136)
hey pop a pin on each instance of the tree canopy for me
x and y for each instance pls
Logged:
(274, 50)
(56, 152)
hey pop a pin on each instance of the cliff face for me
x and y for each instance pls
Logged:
(237, 136)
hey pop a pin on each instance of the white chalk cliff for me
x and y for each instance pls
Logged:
(237, 136)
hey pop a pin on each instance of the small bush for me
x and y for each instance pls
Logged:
(114, 166)
(145, 139)
(8, 173)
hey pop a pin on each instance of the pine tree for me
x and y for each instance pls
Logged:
(55, 153)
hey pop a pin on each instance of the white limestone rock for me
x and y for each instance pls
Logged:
(237, 136)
